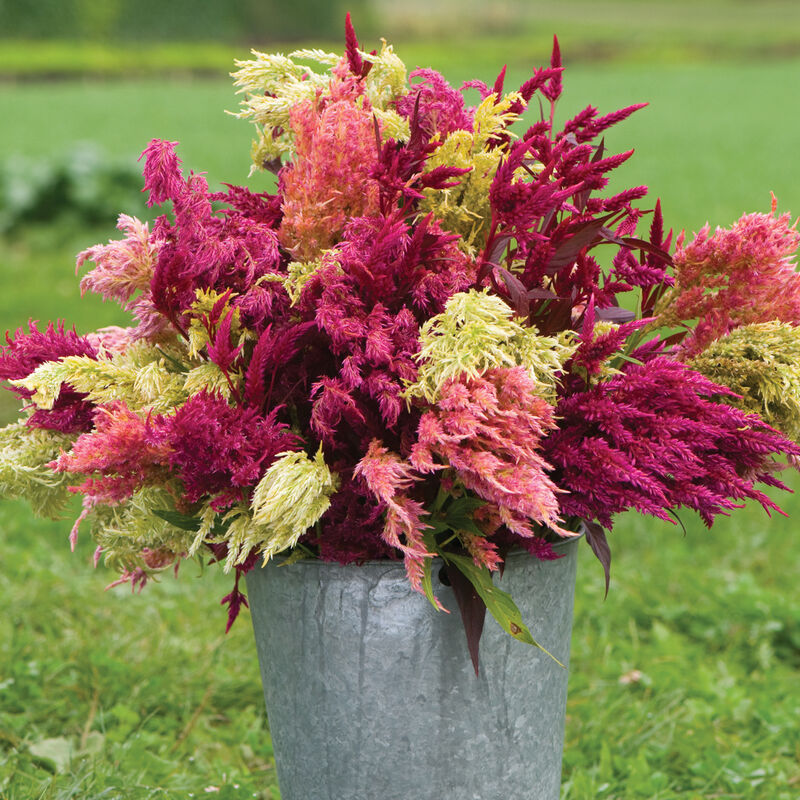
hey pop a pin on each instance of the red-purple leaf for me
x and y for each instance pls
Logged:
(472, 608)
(596, 537)
(541, 294)
(518, 292)
(616, 315)
(635, 243)
(584, 235)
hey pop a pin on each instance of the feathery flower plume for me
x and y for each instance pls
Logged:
(121, 455)
(489, 429)
(761, 364)
(23, 355)
(389, 478)
(329, 180)
(291, 497)
(733, 277)
(122, 267)
(655, 439)
(220, 450)
(476, 332)
(24, 473)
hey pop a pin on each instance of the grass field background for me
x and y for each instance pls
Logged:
(683, 683)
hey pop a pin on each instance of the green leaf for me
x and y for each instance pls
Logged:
(182, 521)
(499, 603)
(427, 582)
(429, 538)
(463, 522)
(465, 505)
(458, 516)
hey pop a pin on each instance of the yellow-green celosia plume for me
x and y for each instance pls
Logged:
(24, 474)
(476, 332)
(760, 362)
(125, 532)
(274, 83)
(465, 209)
(140, 377)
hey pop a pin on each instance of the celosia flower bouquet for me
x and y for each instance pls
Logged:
(439, 338)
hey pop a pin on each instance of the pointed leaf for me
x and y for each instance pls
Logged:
(182, 521)
(582, 236)
(427, 583)
(616, 315)
(499, 603)
(517, 291)
(472, 608)
(466, 504)
(499, 245)
(634, 243)
(541, 294)
(596, 537)
(429, 540)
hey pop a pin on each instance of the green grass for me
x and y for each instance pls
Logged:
(107, 695)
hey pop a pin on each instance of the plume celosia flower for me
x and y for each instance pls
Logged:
(760, 363)
(329, 181)
(656, 438)
(219, 450)
(201, 250)
(121, 267)
(477, 332)
(439, 107)
(291, 497)
(489, 430)
(734, 277)
(123, 453)
(389, 478)
(22, 355)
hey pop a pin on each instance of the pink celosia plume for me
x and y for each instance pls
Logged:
(390, 478)
(734, 277)
(489, 430)
(123, 453)
(122, 267)
(329, 181)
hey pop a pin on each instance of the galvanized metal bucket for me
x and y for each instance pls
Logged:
(371, 694)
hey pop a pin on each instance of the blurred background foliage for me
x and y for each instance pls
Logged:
(60, 38)
(683, 683)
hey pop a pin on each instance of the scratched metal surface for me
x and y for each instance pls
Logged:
(371, 694)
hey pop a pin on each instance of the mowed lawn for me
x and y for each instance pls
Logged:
(683, 683)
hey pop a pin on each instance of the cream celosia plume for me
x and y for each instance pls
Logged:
(139, 377)
(293, 494)
(478, 332)
(24, 473)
